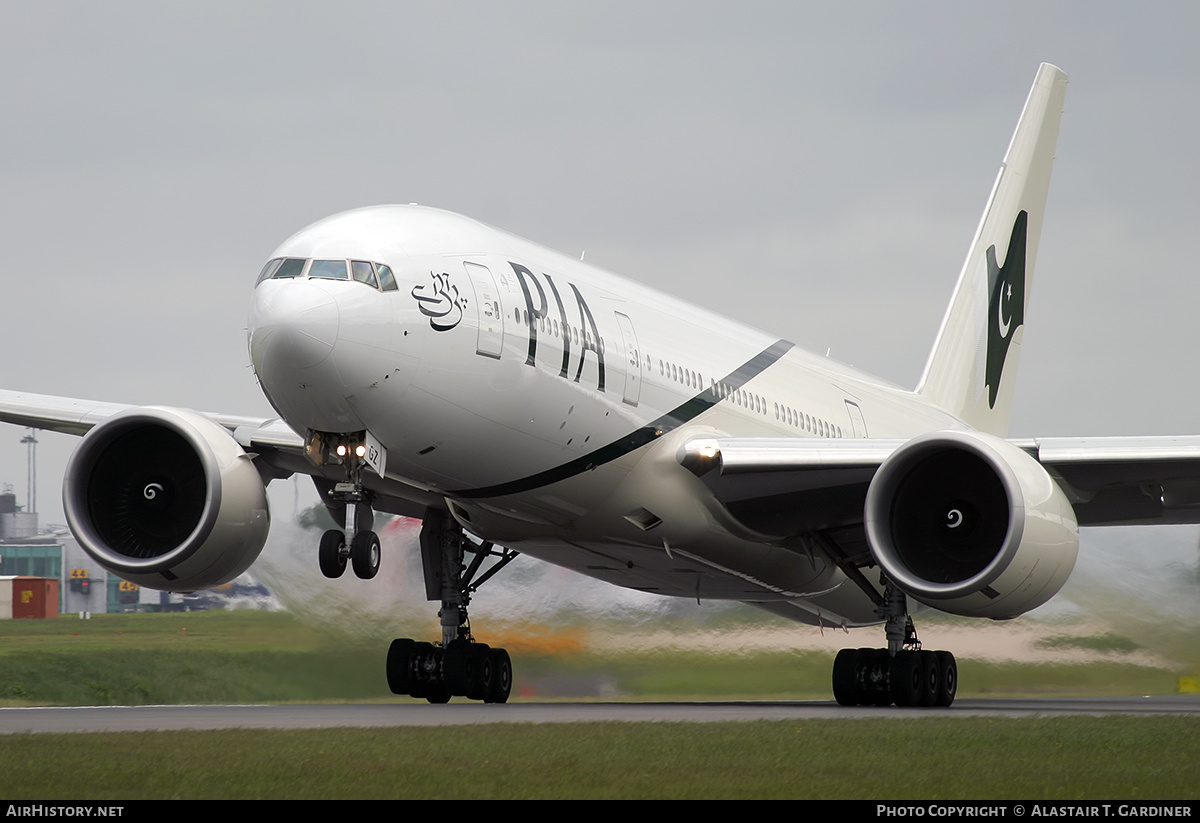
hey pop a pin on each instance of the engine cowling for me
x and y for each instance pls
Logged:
(167, 499)
(967, 523)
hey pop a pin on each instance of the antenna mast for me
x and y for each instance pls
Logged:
(31, 496)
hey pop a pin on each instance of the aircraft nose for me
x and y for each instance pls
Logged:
(293, 325)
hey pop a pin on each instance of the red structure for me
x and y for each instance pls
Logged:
(28, 597)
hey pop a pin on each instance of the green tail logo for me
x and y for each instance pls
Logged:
(1006, 303)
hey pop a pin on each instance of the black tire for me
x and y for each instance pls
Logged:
(480, 671)
(329, 556)
(421, 684)
(931, 678)
(905, 679)
(501, 677)
(948, 681)
(875, 664)
(847, 689)
(457, 667)
(438, 694)
(365, 555)
(399, 666)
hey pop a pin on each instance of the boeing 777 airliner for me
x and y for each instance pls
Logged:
(519, 400)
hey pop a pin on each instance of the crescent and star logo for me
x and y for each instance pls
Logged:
(441, 302)
(1006, 303)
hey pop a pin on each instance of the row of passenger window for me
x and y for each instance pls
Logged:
(757, 403)
(814, 425)
(376, 275)
(748, 400)
(549, 326)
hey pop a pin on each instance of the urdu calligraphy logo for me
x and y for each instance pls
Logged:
(441, 302)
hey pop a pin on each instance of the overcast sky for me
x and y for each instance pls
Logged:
(816, 170)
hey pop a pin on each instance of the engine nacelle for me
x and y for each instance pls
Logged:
(167, 499)
(967, 523)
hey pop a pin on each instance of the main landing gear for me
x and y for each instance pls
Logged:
(458, 666)
(903, 673)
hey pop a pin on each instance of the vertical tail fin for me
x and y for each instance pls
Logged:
(973, 365)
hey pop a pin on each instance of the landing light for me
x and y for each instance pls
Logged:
(341, 451)
(360, 450)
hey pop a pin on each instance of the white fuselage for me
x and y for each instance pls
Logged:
(544, 399)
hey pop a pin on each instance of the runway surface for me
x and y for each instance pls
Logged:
(171, 718)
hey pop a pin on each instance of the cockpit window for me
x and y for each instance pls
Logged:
(268, 270)
(386, 278)
(363, 273)
(290, 267)
(329, 268)
(376, 275)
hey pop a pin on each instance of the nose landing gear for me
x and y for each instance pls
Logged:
(362, 551)
(352, 501)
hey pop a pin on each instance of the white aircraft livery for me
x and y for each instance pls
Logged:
(517, 400)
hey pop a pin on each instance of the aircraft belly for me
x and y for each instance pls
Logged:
(652, 570)
(837, 603)
(641, 522)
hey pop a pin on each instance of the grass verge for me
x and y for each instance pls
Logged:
(243, 657)
(936, 759)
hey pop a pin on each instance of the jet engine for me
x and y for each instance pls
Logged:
(970, 524)
(167, 499)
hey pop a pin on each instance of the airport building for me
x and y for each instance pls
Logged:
(82, 586)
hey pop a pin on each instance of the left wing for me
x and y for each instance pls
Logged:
(770, 484)
(1116, 481)
(967, 522)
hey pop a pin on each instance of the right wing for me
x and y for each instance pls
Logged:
(277, 451)
(175, 499)
(271, 439)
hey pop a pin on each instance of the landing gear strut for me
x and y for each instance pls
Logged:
(458, 666)
(903, 673)
(354, 502)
